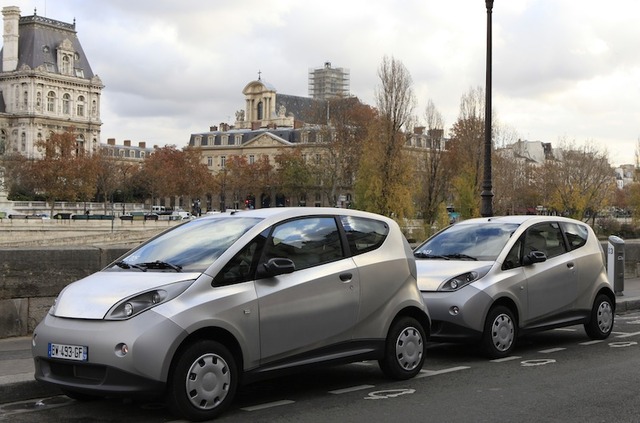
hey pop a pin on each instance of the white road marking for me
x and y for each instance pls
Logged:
(595, 341)
(501, 360)
(267, 405)
(530, 363)
(627, 335)
(352, 389)
(551, 350)
(427, 373)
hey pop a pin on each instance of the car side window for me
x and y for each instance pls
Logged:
(242, 267)
(545, 237)
(364, 234)
(576, 234)
(514, 258)
(307, 242)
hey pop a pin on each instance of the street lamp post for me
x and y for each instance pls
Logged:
(486, 209)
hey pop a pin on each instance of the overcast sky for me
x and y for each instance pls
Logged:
(562, 69)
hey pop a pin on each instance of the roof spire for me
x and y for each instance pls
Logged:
(259, 74)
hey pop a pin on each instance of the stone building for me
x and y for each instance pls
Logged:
(46, 85)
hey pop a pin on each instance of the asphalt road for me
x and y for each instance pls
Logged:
(555, 376)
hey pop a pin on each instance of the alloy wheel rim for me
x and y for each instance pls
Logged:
(502, 332)
(605, 317)
(409, 348)
(208, 381)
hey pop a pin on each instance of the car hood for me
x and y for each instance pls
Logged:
(432, 272)
(93, 296)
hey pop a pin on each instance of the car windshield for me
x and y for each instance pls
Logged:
(483, 242)
(191, 247)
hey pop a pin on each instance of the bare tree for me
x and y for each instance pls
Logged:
(385, 172)
(433, 173)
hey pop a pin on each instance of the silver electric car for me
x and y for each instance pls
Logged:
(232, 297)
(492, 279)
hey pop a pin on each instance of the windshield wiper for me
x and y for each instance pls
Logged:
(430, 256)
(461, 256)
(160, 265)
(124, 265)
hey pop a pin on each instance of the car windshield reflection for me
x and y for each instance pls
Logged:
(191, 247)
(482, 242)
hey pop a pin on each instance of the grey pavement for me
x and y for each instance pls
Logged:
(16, 365)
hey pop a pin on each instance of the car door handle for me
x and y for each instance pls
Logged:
(346, 277)
(570, 265)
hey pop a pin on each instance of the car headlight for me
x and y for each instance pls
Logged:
(132, 306)
(464, 279)
(52, 309)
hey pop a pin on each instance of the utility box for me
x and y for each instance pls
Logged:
(615, 263)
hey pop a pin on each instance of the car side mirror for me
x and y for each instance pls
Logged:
(534, 257)
(276, 266)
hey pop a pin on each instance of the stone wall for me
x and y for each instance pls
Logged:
(32, 277)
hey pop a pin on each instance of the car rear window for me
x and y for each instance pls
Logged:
(364, 234)
(576, 234)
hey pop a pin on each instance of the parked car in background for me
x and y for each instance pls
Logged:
(493, 279)
(234, 297)
(139, 215)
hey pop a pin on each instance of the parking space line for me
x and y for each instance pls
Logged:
(627, 335)
(595, 341)
(551, 350)
(503, 359)
(427, 373)
(352, 389)
(267, 405)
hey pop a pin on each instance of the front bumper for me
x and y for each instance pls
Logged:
(151, 339)
(465, 325)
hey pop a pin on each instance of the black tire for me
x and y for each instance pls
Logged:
(405, 349)
(600, 324)
(500, 332)
(203, 381)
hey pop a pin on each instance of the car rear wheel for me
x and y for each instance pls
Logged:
(602, 314)
(500, 332)
(203, 381)
(404, 349)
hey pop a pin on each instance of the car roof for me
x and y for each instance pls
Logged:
(291, 212)
(519, 219)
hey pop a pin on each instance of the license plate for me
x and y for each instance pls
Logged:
(68, 352)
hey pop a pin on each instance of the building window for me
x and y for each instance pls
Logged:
(25, 97)
(238, 139)
(319, 137)
(79, 73)
(38, 99)
(209, 161)
(51, 101)
(231, 140)
(66, 104)
(223, 161)
(66, 65)
(23, 141)
(305, 137)
(252, 159)
(198, 140)
(318, 159)
(80, 106)
(260, 111)
(142, 154)
(121, 153)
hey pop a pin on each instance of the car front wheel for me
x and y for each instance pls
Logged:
(602, 314)
(404, 349)
(500, 331)
(203, 381)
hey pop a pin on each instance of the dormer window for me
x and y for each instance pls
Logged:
(79, 72)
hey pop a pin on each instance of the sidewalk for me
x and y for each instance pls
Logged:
(16, 365)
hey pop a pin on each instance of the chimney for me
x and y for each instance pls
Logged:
(111, 141)
(213, 128)
(255, 125)
(127, 143)
(10, 37)
(418, 130)
(142, 144)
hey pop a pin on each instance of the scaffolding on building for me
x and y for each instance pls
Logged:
(328, 82)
